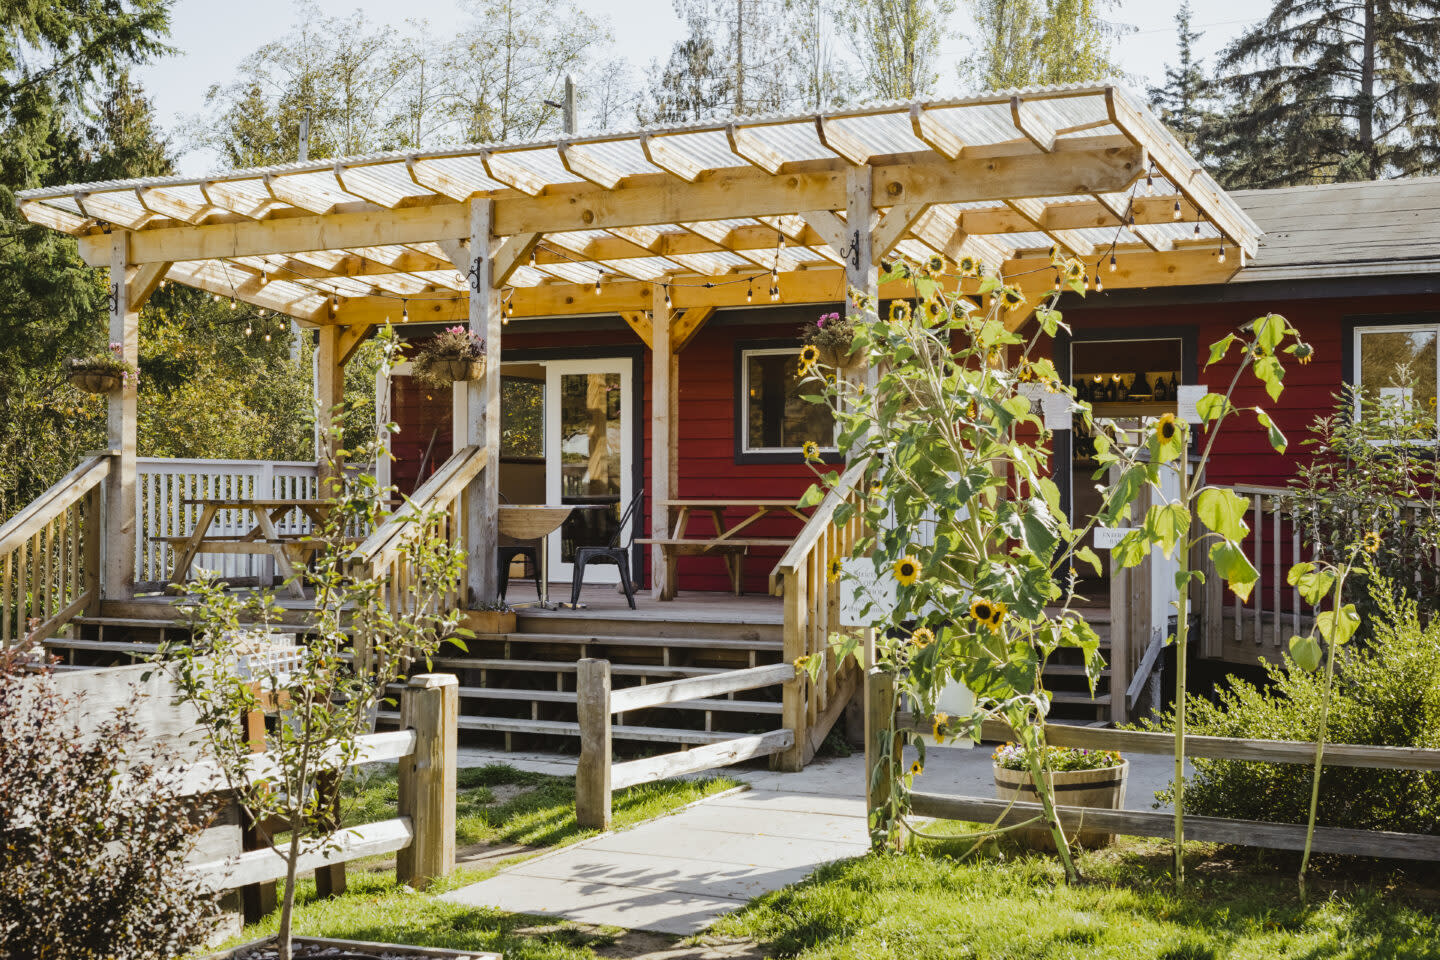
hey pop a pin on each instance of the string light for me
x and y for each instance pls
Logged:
(404, 311)
(775, 290)
(232, 304)
(1099, 284)
(1057, 281)
(248, 329)
(216, 298)
(1197, 229)
(597, 283)
(667, 297)
(1220, 257)
(750, 292)
(1176, 213)
(267, 336)
(532, 256)
(1112, 261)
(1150, 180)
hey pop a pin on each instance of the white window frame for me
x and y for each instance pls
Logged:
(1358, 359)
(745, 445)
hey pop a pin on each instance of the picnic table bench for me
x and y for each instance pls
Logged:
(724, 541)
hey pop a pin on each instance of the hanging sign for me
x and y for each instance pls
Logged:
(1187, 395)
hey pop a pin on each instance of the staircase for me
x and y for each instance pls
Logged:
(1064, 679)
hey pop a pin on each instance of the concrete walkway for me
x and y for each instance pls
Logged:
(678, 873)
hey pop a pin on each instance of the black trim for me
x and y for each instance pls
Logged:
(1316, 288)
(636, 355)
(1063, 787)
(742, 456)
(1349, 324)
(1187, 334)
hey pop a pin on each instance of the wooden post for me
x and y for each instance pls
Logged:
(793, 706)
(430, 706)
(119, 543)
(861, 273)
(329, 394)
(592, 774)
(482, 408)
(880, 765)
(663, 422)
(94, 533)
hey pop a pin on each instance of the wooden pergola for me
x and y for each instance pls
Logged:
(659, 226)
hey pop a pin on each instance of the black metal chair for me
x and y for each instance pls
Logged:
(615, 553)
(505, 555)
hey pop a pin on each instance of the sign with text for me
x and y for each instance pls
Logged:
(1107, 538)
(1187, 395)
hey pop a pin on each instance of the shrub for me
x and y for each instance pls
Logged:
(1386, 693)
(93, 839)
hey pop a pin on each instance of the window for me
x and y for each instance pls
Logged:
(522, 418)
(1399, 363)
(772, 416)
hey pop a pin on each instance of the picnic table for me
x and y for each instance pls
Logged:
(724, 541)
(289, 550)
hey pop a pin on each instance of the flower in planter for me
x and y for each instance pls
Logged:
(101, 371)
(453, 354)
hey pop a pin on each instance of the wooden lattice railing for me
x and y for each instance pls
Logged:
(50, 556)
(440, 503)
(812, 613)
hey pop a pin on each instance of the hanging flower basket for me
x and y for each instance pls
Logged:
(455, 355)
(100, 372)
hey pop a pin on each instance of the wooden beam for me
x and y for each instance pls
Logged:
(830, 227)
(663, 153)
(101, 207)
(281, 188)
(482, 500)
(587, 166)
(432, 178)
(893, 225)
(351, 338)
(1036, 212)
(1036, 130)
(687, 325)
(838, 141)
(511, 174)
(1122, 212)
(53, 217)
(639, 321)
(657, 200)
(245, 286)
(141, 281)
(930, 132)
(750, 148)
(664, 458)
(329, 395)
(511, 254)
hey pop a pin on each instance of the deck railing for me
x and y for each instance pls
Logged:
(441, 498)
(50, 556)
(812, 613)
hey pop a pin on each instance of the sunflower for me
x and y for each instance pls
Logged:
(939, 729)
(982, 611)
(916, 768)
(1304, 352)
(969, 266)
(907, 570)
(1167, 427)
(934, 309)
(1372, 542)
(1054, 253)
(936, 263)
(899, 311)
(832, 573)
(997, 616)
(922, 637)
(1012, 299)
(1074, 270)
(1025, 374)
(810, 450)
(809, 356)
(876, 489)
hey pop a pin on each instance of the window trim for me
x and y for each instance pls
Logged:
(748, 455)
(1356, 327)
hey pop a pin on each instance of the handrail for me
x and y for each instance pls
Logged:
(695, 688)
(53, 502)
(50, 555)
(446, 484)
(799, 550)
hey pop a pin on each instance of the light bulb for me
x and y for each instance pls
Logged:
(667, 297)
(597, 284)
(1197, 229)
(267, 336)
(1112, 262)
(248, 330)
(1221, 256)
(750, 293)
(1099, 284)
(1177, 210)
(232, 304)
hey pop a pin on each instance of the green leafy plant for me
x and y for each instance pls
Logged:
(967, 559)
(832, 334)
(95, 831)
(435, 360)
(1009, 756)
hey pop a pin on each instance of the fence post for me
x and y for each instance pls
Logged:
(430, 706)
(795, 692)
(881, 765)
(592, 774)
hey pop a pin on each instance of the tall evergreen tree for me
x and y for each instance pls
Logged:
(1332, 91)
(1185, 100)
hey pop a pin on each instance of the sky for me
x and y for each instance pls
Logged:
(213, 36)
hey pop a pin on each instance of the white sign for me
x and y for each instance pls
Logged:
(1054, 407)
(859, 588)
(1107, 538)
(1187, 395)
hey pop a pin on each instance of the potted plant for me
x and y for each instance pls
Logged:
(101, 372)
(491, 616)
(455, 354)
(830, 336)
(1077, 778)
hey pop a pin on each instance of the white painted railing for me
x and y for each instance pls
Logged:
(163, 486)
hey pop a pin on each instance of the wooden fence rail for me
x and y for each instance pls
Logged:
(880, 700)
(422, 834)
(597, 776)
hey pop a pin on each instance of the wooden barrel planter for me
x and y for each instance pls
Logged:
(1103, 788)
(95, 381)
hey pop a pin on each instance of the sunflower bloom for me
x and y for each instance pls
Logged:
(939, 730)
(899, 311)
(997, 614)
(1012, 299)
(907, 570)
(916, 768)
(1372, 542)
(1167, 427)
(809, 356)
(810, 450)
(832, 573)
(981, 611)
(936, 263)
(969, 266)
(922, 637)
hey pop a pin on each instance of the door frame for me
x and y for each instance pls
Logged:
(1187, 334)
(636, 357)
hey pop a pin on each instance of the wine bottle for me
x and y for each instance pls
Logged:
(1162, 392)
(1140, 386)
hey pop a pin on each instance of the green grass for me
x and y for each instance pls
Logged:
(541, 814)
(1006, 905)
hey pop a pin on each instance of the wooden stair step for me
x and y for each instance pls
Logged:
(568, 666)
(568, 697)
(109, 646)
(1066, 697)
(582, 640)
(1069, 670)
(567, 729)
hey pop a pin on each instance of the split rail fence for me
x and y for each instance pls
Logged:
(881, 714)
(597, 776)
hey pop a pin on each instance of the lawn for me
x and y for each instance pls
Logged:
(933, 904)
(495, 804)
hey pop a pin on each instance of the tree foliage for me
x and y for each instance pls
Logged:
(1326, 92)
(1185, 100)
(1027, 42)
